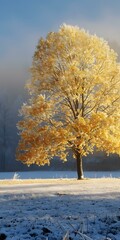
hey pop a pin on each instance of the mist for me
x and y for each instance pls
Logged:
(22, 25)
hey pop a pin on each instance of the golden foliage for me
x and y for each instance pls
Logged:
(74, 98)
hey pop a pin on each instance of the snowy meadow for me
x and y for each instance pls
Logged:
(57, 209)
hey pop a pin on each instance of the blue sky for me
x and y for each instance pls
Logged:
(23, 22)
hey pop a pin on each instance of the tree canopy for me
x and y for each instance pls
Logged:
(74, 100)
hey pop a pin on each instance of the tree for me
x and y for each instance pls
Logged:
(3, 115)
(8, 133)
(74, 99)
(4, 125)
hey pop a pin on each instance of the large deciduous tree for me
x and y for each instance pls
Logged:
(74, 99)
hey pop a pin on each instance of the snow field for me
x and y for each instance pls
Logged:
(60, 209)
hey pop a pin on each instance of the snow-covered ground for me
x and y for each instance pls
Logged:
(53, 209)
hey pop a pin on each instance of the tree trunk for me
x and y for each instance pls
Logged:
(79, 166)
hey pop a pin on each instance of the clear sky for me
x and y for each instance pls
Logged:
(23, 22)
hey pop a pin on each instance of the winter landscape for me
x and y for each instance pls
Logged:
(59, 116)
(56, 209)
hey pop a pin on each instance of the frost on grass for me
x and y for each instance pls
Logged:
(16, 176)
(87, 210)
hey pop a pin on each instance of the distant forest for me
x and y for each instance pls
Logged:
(11, 99)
